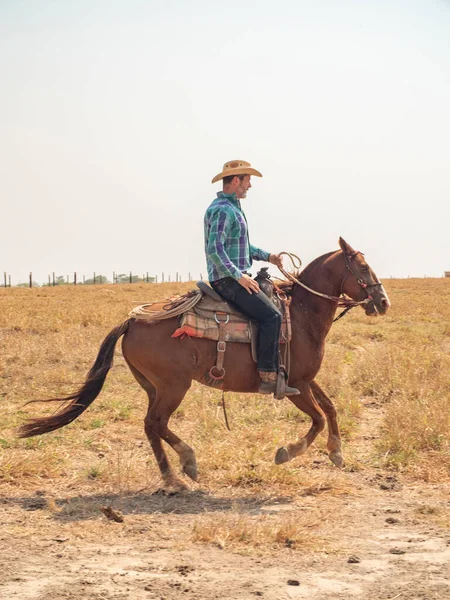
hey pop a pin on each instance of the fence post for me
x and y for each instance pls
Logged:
(31, 279)
(189, 276)
(147, 276)
(162, 278)
(131, 278)
(4, 278)
(54, 282)
(84, 279)
(201, 277)
(75, 278)
(49, 282)
(114, 277)
(9, 280)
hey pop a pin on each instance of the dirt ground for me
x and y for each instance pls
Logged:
(386, 539)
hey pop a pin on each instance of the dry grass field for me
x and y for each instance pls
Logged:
(249, 528)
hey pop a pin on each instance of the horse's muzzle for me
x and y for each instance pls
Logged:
(379, 303)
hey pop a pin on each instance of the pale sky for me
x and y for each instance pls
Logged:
(116, 114)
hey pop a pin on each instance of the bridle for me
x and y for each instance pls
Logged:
(340, 300)
(350, 269)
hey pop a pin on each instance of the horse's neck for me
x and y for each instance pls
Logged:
(312, 312)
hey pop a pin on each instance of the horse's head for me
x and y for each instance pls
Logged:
(360, 282)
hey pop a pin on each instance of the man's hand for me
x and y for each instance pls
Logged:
(249, 284)
(275, 259)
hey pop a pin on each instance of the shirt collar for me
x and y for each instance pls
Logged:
(231, 197)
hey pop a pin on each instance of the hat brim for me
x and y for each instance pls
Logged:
(237, 171)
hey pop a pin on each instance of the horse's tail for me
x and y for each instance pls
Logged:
(80, 400)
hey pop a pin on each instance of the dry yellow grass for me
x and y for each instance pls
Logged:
(231, 530)
(49, 338)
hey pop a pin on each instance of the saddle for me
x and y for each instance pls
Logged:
(213, 318)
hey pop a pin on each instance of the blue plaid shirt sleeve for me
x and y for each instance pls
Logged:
(219, 224)
(258, 254)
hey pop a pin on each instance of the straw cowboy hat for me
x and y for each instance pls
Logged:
(236, 167)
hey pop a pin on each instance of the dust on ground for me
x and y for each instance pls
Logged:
(388, 539)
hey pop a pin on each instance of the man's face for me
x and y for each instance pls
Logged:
(243, 186)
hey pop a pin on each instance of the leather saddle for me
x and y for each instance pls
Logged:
(212, 302)
(213, 307)
(208, 291)
(214, 318)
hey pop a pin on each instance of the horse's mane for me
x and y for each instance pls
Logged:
(287, 286)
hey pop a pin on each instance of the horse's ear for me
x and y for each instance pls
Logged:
(346, 248)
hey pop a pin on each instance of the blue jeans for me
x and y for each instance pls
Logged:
(256, 307)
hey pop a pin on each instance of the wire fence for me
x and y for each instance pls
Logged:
(117, 278)
(98, 278)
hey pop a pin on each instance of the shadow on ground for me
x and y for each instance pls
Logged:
(85, 507)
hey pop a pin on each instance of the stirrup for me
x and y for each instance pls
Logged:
(282, 387)
(288, 391)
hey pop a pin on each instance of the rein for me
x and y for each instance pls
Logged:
(347, 303)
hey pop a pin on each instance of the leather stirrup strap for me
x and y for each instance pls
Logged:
(284, 364)
(217, 372)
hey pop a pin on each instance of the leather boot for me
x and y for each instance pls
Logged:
(268, 384)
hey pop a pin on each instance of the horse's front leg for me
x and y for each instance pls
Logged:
(334, 437)
(306, 402)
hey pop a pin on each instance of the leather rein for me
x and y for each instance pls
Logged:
(347, 303)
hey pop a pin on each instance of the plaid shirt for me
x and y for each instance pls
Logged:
(227, 245)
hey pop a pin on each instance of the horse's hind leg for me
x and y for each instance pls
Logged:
(168, 398)
(155, 424)
(305, 402)
(334, 437)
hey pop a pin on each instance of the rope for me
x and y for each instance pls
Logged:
(174, 307)
(225, 411)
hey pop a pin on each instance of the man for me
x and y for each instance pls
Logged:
(229, 254)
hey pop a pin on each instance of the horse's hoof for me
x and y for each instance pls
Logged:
(336, 458)
(281, 456)
(176, 486)
(190, 469)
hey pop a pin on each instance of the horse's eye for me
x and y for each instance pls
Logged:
(364, 268)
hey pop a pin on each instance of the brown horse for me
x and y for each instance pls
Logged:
(165, 367)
